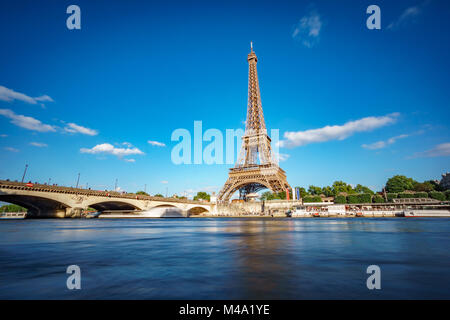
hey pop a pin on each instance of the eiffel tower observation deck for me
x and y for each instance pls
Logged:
(255, 168)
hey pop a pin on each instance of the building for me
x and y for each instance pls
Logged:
(445, 181)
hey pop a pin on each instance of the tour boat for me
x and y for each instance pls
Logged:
(300, 211)
(92, 215)
(13, 215)
(426, 213)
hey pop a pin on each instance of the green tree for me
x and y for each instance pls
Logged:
(377, 199)
(282, 195)
(341, 186)
(365, 197)
(420, 195)
(202, 195)
(275, 196)
(12, 208)
(267, 196)
(327, 191)
(437, 195)
(424, 187)
(353, 198)
(142, 193)
(316, 191)
(391, 196)
(447, 195)
(399, 183)
(312, 199)
(436, 185)
(159, 195)
(340, 200)
(363, 189)
(303, 192)
(404, 195)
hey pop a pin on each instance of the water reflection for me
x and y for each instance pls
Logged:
(225, 258)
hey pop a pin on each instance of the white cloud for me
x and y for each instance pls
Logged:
(281, 156)
(383, 144)
(307, 30)
(129, 160)
(7, 94)
(11, 149)
(164, 182)
(156, 143)
(106, 148)
(33, 124)
(441, 150)
(74, 128)
(38, 144)
(26, 122)
(336, 132)
(44, 98)
(408, 16)
(3, 135)
(190, 193)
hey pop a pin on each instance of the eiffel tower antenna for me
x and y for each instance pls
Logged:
(255, 168)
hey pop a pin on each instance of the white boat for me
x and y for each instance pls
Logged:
(337, 210)
(13, 215)
(427, 213)
(300, 211)
(381, 213)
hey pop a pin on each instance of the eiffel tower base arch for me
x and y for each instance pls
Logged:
(253, 180)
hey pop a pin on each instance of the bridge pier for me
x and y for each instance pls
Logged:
(73, 213)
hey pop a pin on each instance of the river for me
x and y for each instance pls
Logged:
(226, 258)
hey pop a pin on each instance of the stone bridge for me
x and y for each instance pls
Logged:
(45, 201)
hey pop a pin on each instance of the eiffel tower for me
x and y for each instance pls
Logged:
(255, 169)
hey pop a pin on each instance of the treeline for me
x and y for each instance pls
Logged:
(396, 187)
(379, 198)
(274, 196)
(315, 193)
(12, 208)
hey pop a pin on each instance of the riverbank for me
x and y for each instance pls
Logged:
(298, 217)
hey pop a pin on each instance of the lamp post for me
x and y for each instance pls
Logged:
(25, 172)
(78, 180)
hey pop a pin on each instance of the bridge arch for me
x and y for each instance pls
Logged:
(115, 204)
(37, 206)
(197, 210)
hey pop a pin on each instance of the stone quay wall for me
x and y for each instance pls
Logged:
(273, 207)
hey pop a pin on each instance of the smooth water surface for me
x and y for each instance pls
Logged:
(226, 258)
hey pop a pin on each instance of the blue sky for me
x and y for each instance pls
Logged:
(351, 103)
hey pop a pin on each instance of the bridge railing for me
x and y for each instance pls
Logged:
(6, 184)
